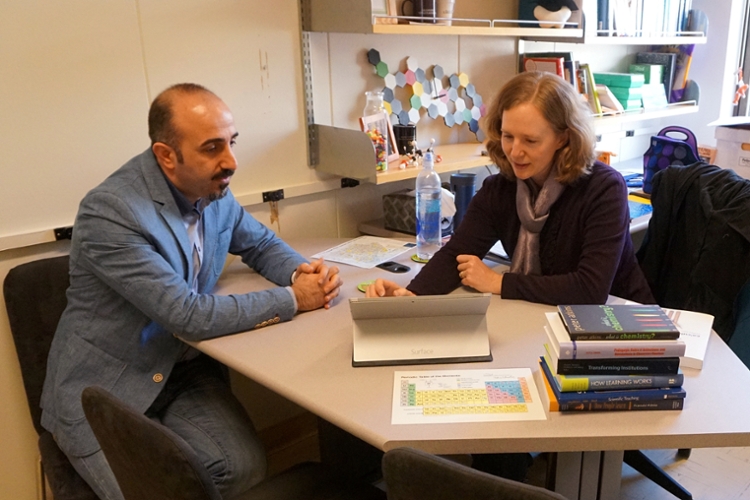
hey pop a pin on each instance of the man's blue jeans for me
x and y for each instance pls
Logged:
(198, 405)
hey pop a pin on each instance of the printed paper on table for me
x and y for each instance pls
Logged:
(489, 395)
(365, 251)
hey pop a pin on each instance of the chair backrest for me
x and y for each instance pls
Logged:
(35, 300)
(694, 253)
(149, 461)
(415, 475)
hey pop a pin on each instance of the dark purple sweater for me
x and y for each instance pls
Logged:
(585, 248)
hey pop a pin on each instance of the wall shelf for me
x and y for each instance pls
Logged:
(669, 111)
(349, 153)
(500, 31)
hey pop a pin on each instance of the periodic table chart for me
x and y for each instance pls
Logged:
(489, 395)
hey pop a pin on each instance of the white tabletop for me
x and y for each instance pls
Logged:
(308, 361)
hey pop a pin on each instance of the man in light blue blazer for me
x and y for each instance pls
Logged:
(148, 246)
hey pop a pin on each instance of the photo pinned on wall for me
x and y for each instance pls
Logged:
(378, 128)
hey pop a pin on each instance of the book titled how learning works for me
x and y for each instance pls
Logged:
(583, 397)
(617, 322)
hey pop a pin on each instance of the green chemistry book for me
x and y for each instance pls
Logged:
(617, 322)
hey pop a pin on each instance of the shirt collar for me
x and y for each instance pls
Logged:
(183, 204)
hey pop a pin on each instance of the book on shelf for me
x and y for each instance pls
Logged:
(667, 60)
(590, 87)
(612, 366)
(553, 405)
(552, 65)
(610, 103)
(610, 396)
(566, 348)
(617, 322)
(569, 65)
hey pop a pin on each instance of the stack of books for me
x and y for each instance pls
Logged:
(612, 357)
(626, 87)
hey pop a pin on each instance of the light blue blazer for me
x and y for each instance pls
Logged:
(130, 265)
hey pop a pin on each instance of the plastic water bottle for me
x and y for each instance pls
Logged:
(428, 209)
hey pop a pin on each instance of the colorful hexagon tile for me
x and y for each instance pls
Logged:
(396, 106)
(381, 69)
(390, 81)
(429, 93)
(426, 100)
(415, 101)
(373, 56)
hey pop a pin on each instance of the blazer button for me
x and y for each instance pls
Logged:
(158, 377)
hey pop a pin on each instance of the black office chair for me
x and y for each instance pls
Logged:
(415, 475)
(150, 462)
(694, 257)
(35, 299)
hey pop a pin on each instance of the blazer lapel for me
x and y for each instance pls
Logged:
(161, 195)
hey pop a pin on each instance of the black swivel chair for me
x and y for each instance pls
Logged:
(150, 462)
(694, 257)
(415, 475)
(35, 299)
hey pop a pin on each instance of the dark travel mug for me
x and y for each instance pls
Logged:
(404, 134)
(462, 185)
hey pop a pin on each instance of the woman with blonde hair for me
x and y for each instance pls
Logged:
(560, 214)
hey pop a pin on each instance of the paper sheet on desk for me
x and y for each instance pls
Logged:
(365, 251)
(483, 395)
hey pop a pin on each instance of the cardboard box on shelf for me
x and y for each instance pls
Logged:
(733, 144)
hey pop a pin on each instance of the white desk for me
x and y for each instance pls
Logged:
(308, 361)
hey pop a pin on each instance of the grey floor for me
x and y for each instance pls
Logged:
(709, 473)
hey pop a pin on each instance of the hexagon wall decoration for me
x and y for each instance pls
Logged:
(430, 92)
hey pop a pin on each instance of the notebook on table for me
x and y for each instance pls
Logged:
(424, 329)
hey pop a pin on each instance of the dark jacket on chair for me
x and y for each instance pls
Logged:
(696, 253)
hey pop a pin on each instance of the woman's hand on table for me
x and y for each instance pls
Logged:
(386, 288)
(475, 273)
